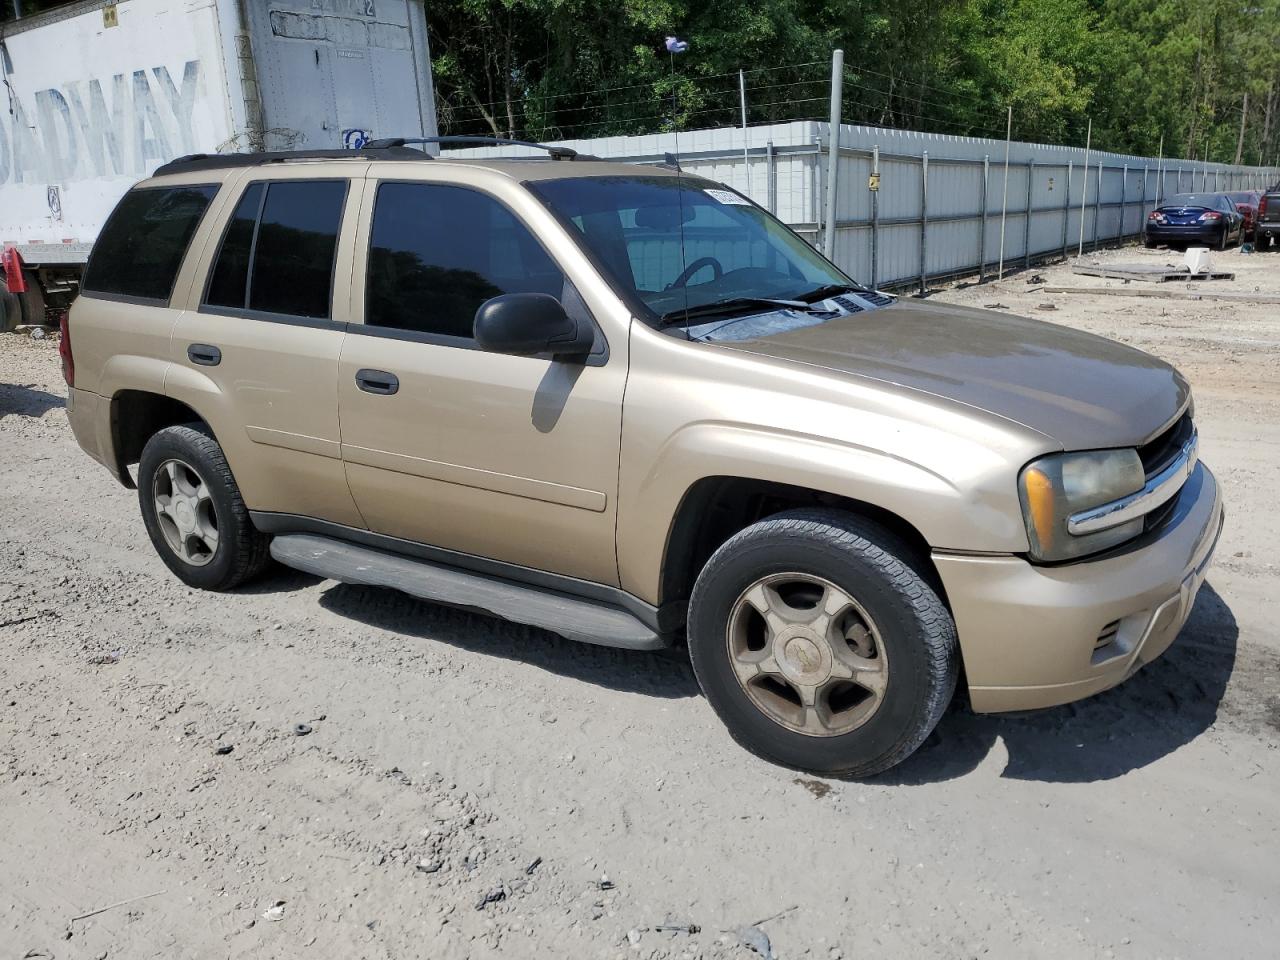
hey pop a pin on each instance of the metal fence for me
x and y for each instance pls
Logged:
(918, 207)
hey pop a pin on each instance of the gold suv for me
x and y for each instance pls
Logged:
(629, 406)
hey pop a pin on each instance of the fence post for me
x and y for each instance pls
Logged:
(924, 221)
(875, 218)
(1026, 224)
(1124, 197)
(1066, 210)
(771, 172)
(1097, 209)
(982, 240)
(833, 164)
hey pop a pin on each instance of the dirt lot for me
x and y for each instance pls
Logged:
(589, 794)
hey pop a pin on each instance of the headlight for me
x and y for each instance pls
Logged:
(1054, 487)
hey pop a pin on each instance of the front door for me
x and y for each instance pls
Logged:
(509, 458)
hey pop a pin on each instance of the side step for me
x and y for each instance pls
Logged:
(569, 616)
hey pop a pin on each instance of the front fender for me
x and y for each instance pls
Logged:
(960, 498)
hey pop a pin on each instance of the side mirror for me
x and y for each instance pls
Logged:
(527, 324)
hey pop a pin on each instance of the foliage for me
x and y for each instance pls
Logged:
(1144, 71)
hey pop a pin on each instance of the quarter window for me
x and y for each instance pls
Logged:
(278, 250)
(141, 246)
(438, 252)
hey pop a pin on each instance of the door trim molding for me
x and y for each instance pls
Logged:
(530, 489)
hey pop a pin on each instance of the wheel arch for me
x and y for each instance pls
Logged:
(136, 416)
(715, 508)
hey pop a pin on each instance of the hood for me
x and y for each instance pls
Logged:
(1085, 392)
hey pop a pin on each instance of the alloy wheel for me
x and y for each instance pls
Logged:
(184, 509)
(807, 654)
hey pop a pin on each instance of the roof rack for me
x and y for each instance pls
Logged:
(556, 153)
(219, 161)
(389, 148)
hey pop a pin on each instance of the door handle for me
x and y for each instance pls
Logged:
(204, 354)
(377, 381)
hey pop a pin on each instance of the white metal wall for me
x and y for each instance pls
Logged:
(920, 226)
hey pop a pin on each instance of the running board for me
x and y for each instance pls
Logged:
(569, 616)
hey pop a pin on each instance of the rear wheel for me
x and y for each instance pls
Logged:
(194, 513)
(1149, 243)
(10, 309)
(1222, 238)
(33, 312)
(818, 644)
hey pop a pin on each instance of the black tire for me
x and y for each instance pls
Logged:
(33, 306)
(242, 550)
(10, 309)
(1149, 243)
(876, 568)
(1261, 242)
(1222, 239)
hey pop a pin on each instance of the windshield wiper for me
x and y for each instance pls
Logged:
(726, 307)
(831, 290)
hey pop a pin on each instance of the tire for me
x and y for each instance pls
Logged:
(909, 635)
(239, 551)
(1149, 243)
(1222, 240)
(10, 309)
(33, 306)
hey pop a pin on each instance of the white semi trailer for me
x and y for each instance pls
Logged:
(95, 95)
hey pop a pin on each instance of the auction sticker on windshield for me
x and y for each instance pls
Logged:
(728, 196)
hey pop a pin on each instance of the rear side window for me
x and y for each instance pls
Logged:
(438, 252)
(278, 250)
(142, 244)
(228, 286)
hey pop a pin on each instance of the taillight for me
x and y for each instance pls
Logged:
(64, 351)
(1210, 215)
(1262, 205)
(1156, 216)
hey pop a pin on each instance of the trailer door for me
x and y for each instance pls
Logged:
(336, 73)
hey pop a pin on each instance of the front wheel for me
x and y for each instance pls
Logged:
(820, 646)
(193, 511)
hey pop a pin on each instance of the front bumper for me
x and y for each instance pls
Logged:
(1036, 636)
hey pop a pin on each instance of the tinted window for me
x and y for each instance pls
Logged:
(293, 252)
(141, 247)
(229, 285)
(439, 252)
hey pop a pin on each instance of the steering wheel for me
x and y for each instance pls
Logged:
(693, 268)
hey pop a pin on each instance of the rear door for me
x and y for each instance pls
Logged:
(257, 352)
(508, 458)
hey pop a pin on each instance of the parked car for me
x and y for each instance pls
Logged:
(1246, 202)
(1268, 227)
(629, 406)
(1202, 219)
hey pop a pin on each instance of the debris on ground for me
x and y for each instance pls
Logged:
(275, 911)
(222, 749)
(755, 939)
(495, 895)
(301, 729)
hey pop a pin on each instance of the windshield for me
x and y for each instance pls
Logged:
(680, 243)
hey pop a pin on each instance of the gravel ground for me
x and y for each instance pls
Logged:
(470, 788)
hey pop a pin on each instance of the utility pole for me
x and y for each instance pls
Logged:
(1084, 195)
(833, 151)
(1244, 112)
